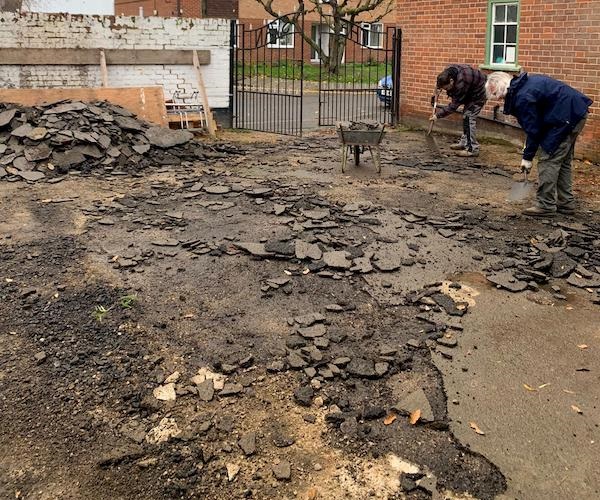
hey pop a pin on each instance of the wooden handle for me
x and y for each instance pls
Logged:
(430, 127)
(434, 106)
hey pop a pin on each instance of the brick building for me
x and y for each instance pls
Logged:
(559, 38)
(226, 9)
(373, 34)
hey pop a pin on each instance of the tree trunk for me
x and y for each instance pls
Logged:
(337, 46)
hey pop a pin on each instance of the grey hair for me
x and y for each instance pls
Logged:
(500, 82)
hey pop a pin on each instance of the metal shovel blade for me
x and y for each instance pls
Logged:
(520, 190)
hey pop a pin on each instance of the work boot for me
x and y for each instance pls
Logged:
(538, 212)
(565, 210)
(457, 147)
(467, 154)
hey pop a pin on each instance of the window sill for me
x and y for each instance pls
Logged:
(501, 67)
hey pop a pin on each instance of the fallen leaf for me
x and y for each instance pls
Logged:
(389, 419)
(577, 409)
(285, 271)
(582, 346)
(569, 308)
(189, 316)
(543, 385)
(529, 388)
(568, 391)
(414, 416)
(306, 271)
(476, 428)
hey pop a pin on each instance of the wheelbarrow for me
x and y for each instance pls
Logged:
(358, 140)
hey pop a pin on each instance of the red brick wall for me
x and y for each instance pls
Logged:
(556, 37)
(227, 9)
(163, 8)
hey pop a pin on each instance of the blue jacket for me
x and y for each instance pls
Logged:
(547, 110)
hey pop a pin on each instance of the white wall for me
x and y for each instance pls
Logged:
(100, 7)
(37, 30)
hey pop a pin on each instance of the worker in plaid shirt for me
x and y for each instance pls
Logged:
(465, 86)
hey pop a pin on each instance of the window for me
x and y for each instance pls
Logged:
(281, 35)
(503, 30)
(372, 35)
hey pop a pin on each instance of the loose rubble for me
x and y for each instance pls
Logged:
(50, 140)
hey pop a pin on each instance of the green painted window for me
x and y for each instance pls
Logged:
(502, 34)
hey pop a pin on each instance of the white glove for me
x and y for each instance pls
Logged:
(526, 166)
(433, 118)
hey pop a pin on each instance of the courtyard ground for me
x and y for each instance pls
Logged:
(260, 325)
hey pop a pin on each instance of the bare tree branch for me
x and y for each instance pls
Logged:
(336, 14)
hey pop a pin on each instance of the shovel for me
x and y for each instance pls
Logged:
(428, 138)
(521, 190)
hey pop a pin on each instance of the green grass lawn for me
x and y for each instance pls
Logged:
(349, 73)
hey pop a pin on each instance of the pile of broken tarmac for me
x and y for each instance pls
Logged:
(43, 141)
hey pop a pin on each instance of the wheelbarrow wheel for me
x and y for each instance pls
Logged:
(357, 155)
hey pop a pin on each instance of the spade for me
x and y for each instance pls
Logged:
(520, 190)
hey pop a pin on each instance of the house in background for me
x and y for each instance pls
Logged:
(373, 34)
(225, 9)
(557, 38)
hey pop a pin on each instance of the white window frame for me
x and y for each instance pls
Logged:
(280, 42)
(507, 61)
(366, 35)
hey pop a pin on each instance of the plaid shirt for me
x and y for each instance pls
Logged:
(469, 88)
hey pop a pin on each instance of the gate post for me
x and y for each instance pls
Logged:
(232, 69)
(302, 42)
(396, 72)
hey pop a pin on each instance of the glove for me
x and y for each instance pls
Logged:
(433, 118)
(526, 166)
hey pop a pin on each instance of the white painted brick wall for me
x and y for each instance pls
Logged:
(38, 30)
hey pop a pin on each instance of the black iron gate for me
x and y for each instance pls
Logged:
(350, 72)
(360, 73)
(268, 76)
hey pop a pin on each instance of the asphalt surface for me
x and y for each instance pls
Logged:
(545, 448)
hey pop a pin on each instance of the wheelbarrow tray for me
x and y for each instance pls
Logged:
(361, 137)
(357, 140)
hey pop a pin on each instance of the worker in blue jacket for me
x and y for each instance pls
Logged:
(552, 114)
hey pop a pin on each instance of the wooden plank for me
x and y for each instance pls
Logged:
(103, 69)
(78, 57)
(148, 103)
(210, 121)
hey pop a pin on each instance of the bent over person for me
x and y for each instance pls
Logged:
(465, 86)
(552, 114)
